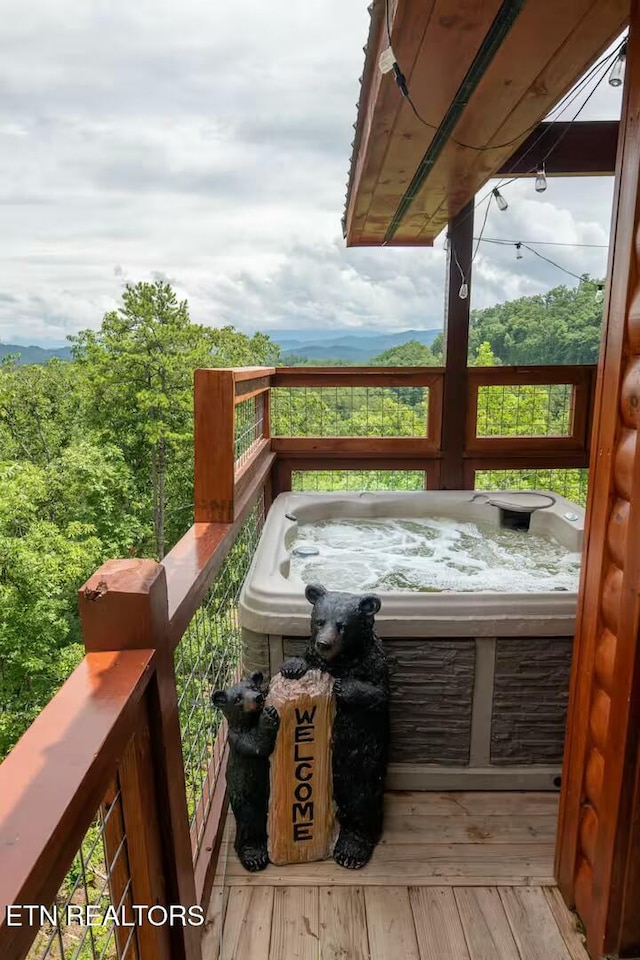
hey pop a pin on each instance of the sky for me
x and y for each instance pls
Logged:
(209, 144)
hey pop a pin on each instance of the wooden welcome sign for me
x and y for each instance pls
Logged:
(302, 824)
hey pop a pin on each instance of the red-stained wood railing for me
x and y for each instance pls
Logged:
(54, 780)
(426, 452)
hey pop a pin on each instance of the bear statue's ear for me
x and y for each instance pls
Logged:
(219, 698)
(256, 678)
(369, 604)
(314, 591)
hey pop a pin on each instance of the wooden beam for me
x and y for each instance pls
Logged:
(330, 448)
(356, 376)
(456, 345)
(583, 149)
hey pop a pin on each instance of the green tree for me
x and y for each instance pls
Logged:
(561, 326)
(58, 522)
(409, 354)
(40, 409)
(139, 370)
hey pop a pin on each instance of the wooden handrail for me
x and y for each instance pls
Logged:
(194, 561)
(54, 779)
(531, 375)
(356, 376)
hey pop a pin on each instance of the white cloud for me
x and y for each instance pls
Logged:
(210, 144)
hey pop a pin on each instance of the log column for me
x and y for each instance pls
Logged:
(456, 347)
(598, 855)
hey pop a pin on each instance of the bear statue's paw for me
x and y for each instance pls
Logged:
(254, 858)
(294, 669)
(352, 851)
(270, 714)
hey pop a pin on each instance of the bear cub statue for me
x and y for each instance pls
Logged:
(252, 737)
(344, 644)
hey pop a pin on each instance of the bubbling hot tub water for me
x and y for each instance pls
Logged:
(431, 555)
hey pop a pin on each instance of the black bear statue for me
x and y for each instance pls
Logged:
(252, 736)
(344, 643)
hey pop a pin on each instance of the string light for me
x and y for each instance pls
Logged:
(519, 251)
(617, 70)
(387, 60)
(541, 179)
(548, 243)
(447, 242)
(500, 200)
(599, 297)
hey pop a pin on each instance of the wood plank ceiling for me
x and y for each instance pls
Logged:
(542, 51)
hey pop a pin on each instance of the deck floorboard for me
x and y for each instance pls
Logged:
(465, 876)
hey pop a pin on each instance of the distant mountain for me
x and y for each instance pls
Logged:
(357, 347)
(34, 354)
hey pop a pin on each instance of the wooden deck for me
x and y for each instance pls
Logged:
(457, 876)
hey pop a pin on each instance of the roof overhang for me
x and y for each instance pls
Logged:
(480, 72)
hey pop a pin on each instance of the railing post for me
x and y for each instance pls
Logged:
(214, 435)
(123, 606)
(266, 433)
(456, 345)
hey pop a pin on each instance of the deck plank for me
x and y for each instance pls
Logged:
(214, 922)
(390, 923)
(418, 864)
(533, 925)
(247, 925)
(478, 803)
(438, 925)
(486, 927)
(567, 924)
(475, 828)
(343, 924)
(295, 930)
(404, 827)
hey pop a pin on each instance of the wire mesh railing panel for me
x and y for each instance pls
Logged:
(92, 917)
(349, 411)
(538, 410)
(248, 426)
(569, 483)
(206, 659)
(356, 481)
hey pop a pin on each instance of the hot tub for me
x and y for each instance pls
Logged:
(479, 677)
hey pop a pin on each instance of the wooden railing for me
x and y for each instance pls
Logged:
(130, 739)
(537, 449)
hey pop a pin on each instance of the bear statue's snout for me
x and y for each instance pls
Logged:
(254, 700)
(327, 642)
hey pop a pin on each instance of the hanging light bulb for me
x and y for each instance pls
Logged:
(518, 251)
(599, 297)
(387, 60)
(447, 243)
(463, 292)
(500, 200)
(541, 179)
(617, 70)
